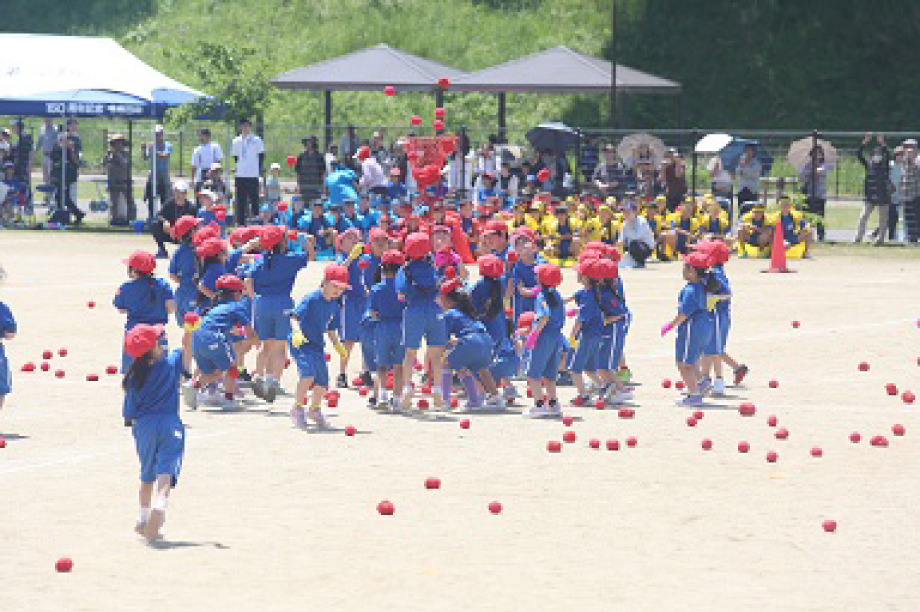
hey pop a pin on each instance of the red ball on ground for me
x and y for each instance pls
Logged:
(426, 389)
(908, 397)
(568, 420)
(386, 508)
(332, 403)
(613, 445)
(829, 526)
(707, 444)
(2, 443)
(45, 366)
(465, 424)
(666, 383)
(350, 430)
(91, 304)
(416, 120)
(62, 352)
(389, 90)
(92, 377)
(631, 441)
(111, 369)
(816, 451)
(796, 324)
(743, 447)
(772, 420)
(626, 413)
(898, 430)
(356, 381)
(454, 402)
(432, 483)
(599, 404)
(782, 433)
(698, 414)
(863, 366)
(577, 401)
(679, 385)
(28, 367)
(569, 437)
(772, 457)
(423, 403)
(554, 446)
(59, 373)
(773, 384)
(594, 443)
(879, 441)
(64, 564)
(691, 422)
(855, 437)
(891, 389)
(747, 409)
(47, 354)
(362, 391)
(495, 507)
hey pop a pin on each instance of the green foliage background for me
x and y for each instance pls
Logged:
(834, 64)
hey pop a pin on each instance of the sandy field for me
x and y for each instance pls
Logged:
(270, 518)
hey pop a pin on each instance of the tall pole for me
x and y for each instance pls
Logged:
(613, 69)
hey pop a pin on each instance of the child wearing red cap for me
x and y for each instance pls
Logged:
(694, 325)
(369, 264)
(144, 298)
(314, 317)
(545, 342)
(354, 302)
(7, 332)
(470, 347)
(488, 305)
(416, 283)
(522, 281)
(445, 256)
(617, 319)
(183, 267)
(211, 256)
(587, 333)
(386, 311)
(151, 409)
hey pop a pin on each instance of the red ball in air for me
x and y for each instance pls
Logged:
(389, 90)
(444, 82)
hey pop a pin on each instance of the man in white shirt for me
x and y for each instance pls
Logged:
(373, 179)
(249, 153)
(204, 156)
(637, 236)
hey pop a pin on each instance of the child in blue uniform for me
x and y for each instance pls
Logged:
(488, 304)
(317, 225)
(385, 309)
(144, 298)
(470, 346)
(212, 344)
(369, 264)
(354, 302)
(617, 319)
(545, 343)
(416, 284)
(694, 324)
(271, 279)
(523, 286)
(183, 267)
(587, 333)
(209, 213)
(7, 332)
(151, 409)
(211, 255)
(315, 316)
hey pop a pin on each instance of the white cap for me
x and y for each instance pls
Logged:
(158, 128)
(275, 165)
(180, 186)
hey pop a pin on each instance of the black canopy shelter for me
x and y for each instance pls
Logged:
(561, 70)
(369, 69)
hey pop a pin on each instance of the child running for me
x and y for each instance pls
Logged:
(386, 310)
(315, 316)
(144, 298)
(183, 267)
(545, 343)
(7, 332)
(354, 302)
(151, 409)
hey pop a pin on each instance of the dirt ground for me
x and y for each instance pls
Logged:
(267, 517)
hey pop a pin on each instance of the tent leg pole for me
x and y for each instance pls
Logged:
(328, 130)
(131, 204)
(502, 126)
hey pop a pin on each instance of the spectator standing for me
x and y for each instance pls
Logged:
(23, 153)
(332, 154)
(609, 177)
(748, 171)
(813, 179)
(116, 166)
(158, 154)
(876, 188)
(373, 180)
(589, 157)
(673, 175)
(380, 152)
(507, 183)
(64, 161)
(203, 157)
(5, 145)
(910, 189)
(311, 170)
(348, 143)
(249, 153)
(721, 183)
(47, 138)
(894, 175)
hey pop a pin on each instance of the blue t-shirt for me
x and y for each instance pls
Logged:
(184, 264)
(355, 277)
(225, 317)
(589, 312)
(523, 274)
(276, 274)
(479, 295)
(423, 286)
(145, 300)
(160, 392)
(384, 302)
(313, 224)
(342, 224)
(460, 325)
(373, 262)
(724, 288)
(214, 271)
(791, 228)
(691, 302)
(316, 315)
(340, 185)
(396, 190)
(555, 315)
(7, 322)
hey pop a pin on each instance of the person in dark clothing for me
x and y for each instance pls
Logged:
(311, 170)
(69, 169)
(175, 207)
(876, 188)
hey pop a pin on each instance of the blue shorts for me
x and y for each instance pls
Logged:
(505, 361)
(692, 336)
(522, 304)
(368, 344)
(271, 322)
(6, 375)
(388, 343)
(544, 358)
(565, 248)
(186, 301)
(127, 360)
(719, 337)
(585, 358)
(473, 352)
(311, 363)
(423, 320)
(160, 443)
(350, 320)
(611, 349)
(212, 352)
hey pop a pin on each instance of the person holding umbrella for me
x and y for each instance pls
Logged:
(813, 178)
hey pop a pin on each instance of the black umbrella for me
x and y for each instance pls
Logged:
(554, 136)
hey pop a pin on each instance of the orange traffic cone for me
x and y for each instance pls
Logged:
(778, 251)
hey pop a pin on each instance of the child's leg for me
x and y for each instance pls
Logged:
(729, 361)
(488, 382)
(158, 506)
(144, 496)
(689, 375)
(343, 360)
(435, 353)
(550, 385)
(397, 381)
(580, 383)
(408, 364)
(717, 366)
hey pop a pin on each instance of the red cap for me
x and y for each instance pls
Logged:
(210, 247)
(717, 251)
(229, 281)
(292, 234)
(543, 175)
(549, 275)
(491, 266)
(525, 320)
(525, 232)
(417, 245)
(377, 234)
(337, 275)
(495, 226)
(608, 269)
(205, 233)
(282, 206)
(249, 232)
(142, 338)
(184, 224)
(363, 153)
(589, 268)
(697, 260)
(270, 235)
(451, 285)
(191, 317)
(141, 261)
(393, 257)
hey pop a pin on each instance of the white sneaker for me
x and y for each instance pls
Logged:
(297, 416)
(718, 387)
(510, 393)
(190, 396)
(690, 401)
(535, 412)
(228, 403)
(496, 402)
(553, 411)
(209, 398)
(317, 417)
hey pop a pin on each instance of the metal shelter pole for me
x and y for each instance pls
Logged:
(613, 69)
(328, 130)
(502, 127)
(696, 134)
